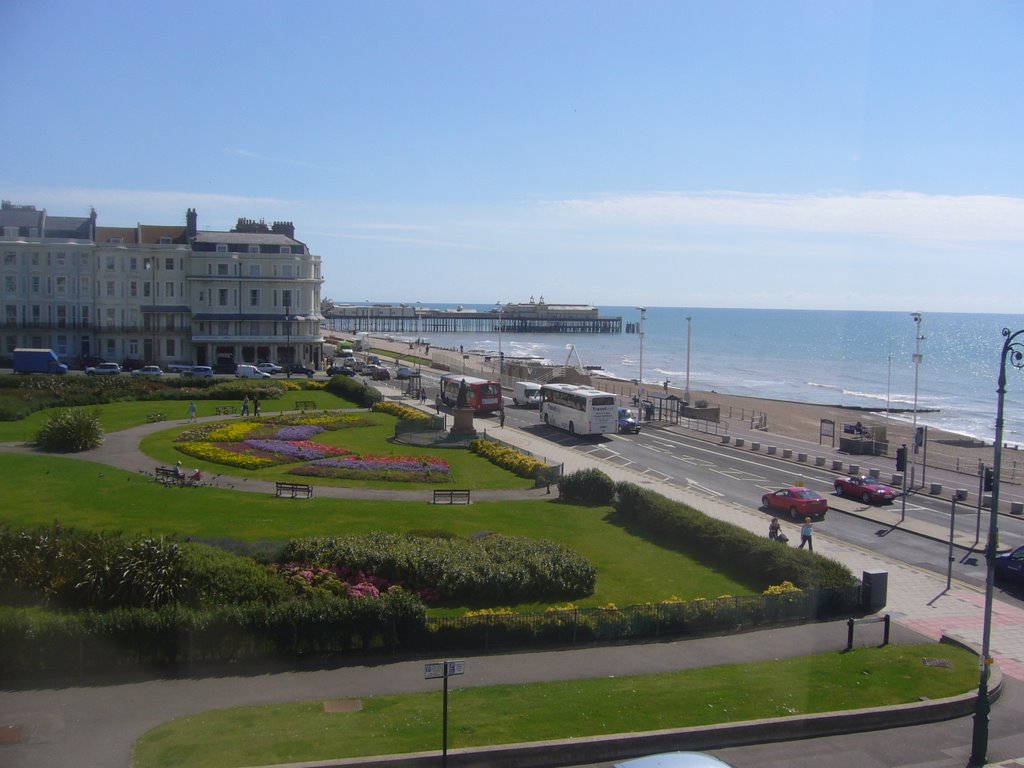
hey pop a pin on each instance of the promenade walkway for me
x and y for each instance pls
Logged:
(96, 725)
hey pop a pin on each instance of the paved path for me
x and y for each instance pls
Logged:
(96, 725)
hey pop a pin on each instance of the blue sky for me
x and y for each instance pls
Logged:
(863, 155)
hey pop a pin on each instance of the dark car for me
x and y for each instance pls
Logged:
(1010, 567)
(379, 373)
(299, 368)
(796, 502)
(627, 423)
(341, 370)
(865, 488)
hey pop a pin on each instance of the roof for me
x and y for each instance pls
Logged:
(76, 227)
(127, 235)
(240, 238)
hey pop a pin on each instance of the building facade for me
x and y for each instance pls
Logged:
(158, 294)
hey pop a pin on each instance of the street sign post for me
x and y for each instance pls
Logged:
(444, 669)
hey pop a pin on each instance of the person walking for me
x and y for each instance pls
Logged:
(245, 406)
(256, 407)
(437, 404)
(774, 528)
(191, 412)
(807, 535)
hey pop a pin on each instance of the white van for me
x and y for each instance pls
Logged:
(250, 372)
(526, 393)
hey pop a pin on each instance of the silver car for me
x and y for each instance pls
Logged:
(674, 760)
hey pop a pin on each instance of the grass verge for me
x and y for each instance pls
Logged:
(304, 731)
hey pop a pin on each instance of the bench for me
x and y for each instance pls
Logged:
(155, 417)
(220, 410)
(451, 497)
(302, 405)
(167, 475)
(296, 490)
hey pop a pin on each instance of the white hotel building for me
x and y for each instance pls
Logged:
(157, 294)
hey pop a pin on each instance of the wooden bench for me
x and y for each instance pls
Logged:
(220, 410)
(302, 405)
(451, 497)
(296, 490)
(170, 475)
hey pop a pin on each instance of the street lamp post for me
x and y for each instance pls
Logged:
(1013, 351)
(686, 392)
(640, 381)
(501, 356)
(918, 338)
(288, 332)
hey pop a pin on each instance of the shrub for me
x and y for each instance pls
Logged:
(587, 486)
(70, 431)
(519, 463)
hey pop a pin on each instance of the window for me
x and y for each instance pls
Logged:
(62, 316)
(61, 282)
(11, 313)
(83, 285)
(222, 248)
(10, 284)
(170, 348)
(254, 270)
(286, 298)
(254, 297)
(61, 259)
(36, 314)
(146, 290)
(133, 263)
(286, 249)
(85, 315)
(169, 263)
(35, 283)
(169, 290)
(10, 259)
(165, 241)
(35, 259)
(286, 270)
(169, 323)
(115, 240)
(222, 270)
(223, 329)
(111, 263)
(222, 297)
(254, 249)
(111, 288)
(254, 327)
(133, 289)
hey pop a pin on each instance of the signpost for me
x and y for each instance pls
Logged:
(444, 669)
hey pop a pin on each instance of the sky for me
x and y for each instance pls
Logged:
(816, 155)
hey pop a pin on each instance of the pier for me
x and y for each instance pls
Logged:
(534, 317)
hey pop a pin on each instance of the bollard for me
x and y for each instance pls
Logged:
(875, 473)
(739, 442)
(725, 439)
(1017, 507)
(855, 469)
(935, 488)
(801, 457)
(771, 450)
(819, 461)
(755, 446)
(837, 465)
(787, 453)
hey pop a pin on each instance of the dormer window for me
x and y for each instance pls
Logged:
(165, 241)
(286, 249)
(115, 240)
(254, 249)
(222, 248)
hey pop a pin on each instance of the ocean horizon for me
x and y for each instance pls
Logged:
(827, 357)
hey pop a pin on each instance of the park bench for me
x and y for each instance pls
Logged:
(302, 405)
(294, 489)
(451, 497)
(167, 475)
(220, 410)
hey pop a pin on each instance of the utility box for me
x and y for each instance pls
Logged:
(877, 585)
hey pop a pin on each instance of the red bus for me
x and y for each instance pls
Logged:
(482, 395)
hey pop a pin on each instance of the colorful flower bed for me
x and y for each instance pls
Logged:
(255, 444)
(370, 467)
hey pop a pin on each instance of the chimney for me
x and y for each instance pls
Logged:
(191, 223)
(284, 228)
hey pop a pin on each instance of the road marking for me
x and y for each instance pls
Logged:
(697, 486)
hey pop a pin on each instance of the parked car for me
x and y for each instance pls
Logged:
(627, 422)
(674, 760)
(378, 372)
(796, 502)
(270, 368)
(341, 370)
(299, 368)
(148, 370)
(245, 371)
(103, 369)
(199, 372)
(1010, 567)
(132, 364)
(404, 372)
(865, 488)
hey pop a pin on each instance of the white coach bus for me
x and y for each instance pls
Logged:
(577, 409)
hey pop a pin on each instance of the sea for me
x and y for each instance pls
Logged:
(830, 357)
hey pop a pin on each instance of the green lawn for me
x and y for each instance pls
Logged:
(505, 714)
(88, 495)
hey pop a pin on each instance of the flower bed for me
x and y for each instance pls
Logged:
(369, 467)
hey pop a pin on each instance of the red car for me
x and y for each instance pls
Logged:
(865, 488)
(796, 502)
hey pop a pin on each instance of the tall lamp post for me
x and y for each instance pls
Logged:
(918, 338)
(1013, 351)
(686, 392)
(501, 356)
(288, 331)
(640, 381)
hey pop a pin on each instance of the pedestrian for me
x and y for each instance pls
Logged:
(774, 527)
(807, 535)
(191, 412)
(245, 406)
(256, 406)
(423, 394)
(437, 404)
(501, 418)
